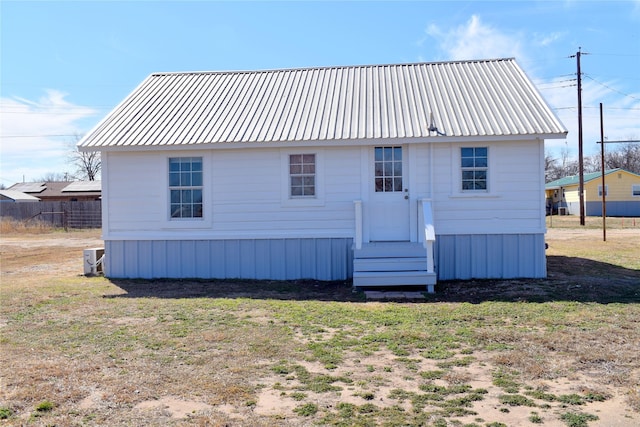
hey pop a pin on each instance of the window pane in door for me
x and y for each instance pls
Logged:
(397, 184)
(388, 165)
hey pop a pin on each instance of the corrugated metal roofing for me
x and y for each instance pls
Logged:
(575, 179)
(469, 98)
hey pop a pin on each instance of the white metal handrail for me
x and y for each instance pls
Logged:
(425, 217)
(358, 221)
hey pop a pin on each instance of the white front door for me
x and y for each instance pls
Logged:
(389, 206)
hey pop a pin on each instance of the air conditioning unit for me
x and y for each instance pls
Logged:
(93, 261)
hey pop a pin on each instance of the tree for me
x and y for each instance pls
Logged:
(552, 169)
(556, 169)
(626, 156)
(623, 156)
(55, 177)
(87, 163)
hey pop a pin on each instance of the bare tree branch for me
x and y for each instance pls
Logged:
(87, 163)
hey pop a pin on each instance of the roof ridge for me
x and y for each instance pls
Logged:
(330, 67)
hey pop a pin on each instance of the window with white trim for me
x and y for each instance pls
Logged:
(606, 190)
(388, 169)
(474, 166)
(185, 187)
(302, 176)
(635, 190)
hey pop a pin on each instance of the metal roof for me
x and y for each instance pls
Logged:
(59, 188)
(459, 99)
(83, 186)
(575, 179)
(29, 187)
(17, 196)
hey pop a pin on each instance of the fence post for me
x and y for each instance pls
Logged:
(65, 225)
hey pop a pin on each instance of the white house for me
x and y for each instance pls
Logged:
(388, 174)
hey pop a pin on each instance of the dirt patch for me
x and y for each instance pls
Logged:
(176, 408)
(46, 253)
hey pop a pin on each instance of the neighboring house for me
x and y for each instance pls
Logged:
(61, 191)
(622, 194)
(387, 174)
(14, 196)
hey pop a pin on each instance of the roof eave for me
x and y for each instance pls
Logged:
(323, 143)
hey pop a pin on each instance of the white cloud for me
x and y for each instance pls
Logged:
(475, 40)
(35, 136)
(547, 39)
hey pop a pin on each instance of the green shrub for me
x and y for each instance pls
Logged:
(306, 410)
(577, 419)
(5, 413)
(44, 406)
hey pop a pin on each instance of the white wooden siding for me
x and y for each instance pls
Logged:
(243, 194)
(514, 202)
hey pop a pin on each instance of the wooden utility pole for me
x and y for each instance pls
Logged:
(602, 142)
(580, 152)
(604, 188)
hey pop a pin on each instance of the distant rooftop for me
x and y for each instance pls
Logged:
(58, 188)
(83, 186)
(575, 179)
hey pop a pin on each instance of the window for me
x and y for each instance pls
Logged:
(185, 187)
(388, 169)
(302, 175)
(635, 190)
(474, 165)
(606, 190)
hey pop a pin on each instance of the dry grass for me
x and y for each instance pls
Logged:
(9, 226)
(299, 353)
(592, 222)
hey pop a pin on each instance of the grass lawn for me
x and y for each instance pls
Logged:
(563, 351)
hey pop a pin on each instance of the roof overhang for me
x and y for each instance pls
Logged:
(322, 143)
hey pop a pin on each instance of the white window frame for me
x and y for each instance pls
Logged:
(287, 200)
(606, 190)
(462, 169)
(305, 171)
(635, 190)
(180, 186)
(455, 157)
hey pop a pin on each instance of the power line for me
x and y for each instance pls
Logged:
(557, 87)
(611, 89)
(589, 107)
(62, 113)
(612, 54)
(553, 82)
(35, 136)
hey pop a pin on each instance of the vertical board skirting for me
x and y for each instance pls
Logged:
(276, 259)
(614, 208)
(458, 257)
(463, 257)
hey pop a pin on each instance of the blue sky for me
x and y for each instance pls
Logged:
(65, 65)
